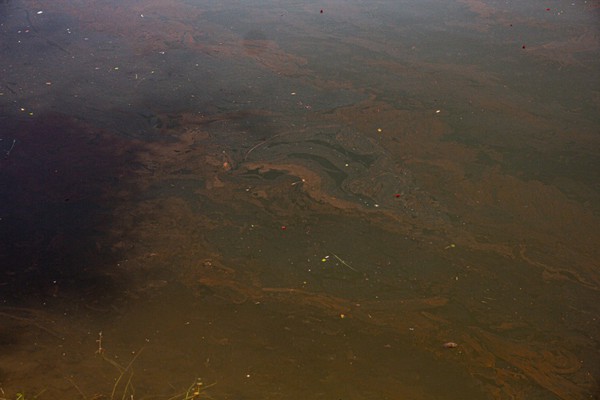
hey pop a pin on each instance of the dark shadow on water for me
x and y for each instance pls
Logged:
(58, 177)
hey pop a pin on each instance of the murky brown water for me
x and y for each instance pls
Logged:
(287, 203)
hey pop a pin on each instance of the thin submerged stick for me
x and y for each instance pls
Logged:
(128, 385)
(123, 371)
(83, 396)
(32, 322)
(11, 147)
(344, 262)
(256, 146)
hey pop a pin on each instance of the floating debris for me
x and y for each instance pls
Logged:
(450, 345)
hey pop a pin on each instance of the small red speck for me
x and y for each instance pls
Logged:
(523, 47)
(283, 227)
(321, 11)
(547, 9)
(397, 195)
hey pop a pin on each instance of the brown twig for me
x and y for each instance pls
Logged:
(99, 341)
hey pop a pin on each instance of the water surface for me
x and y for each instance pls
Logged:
(288, 200)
